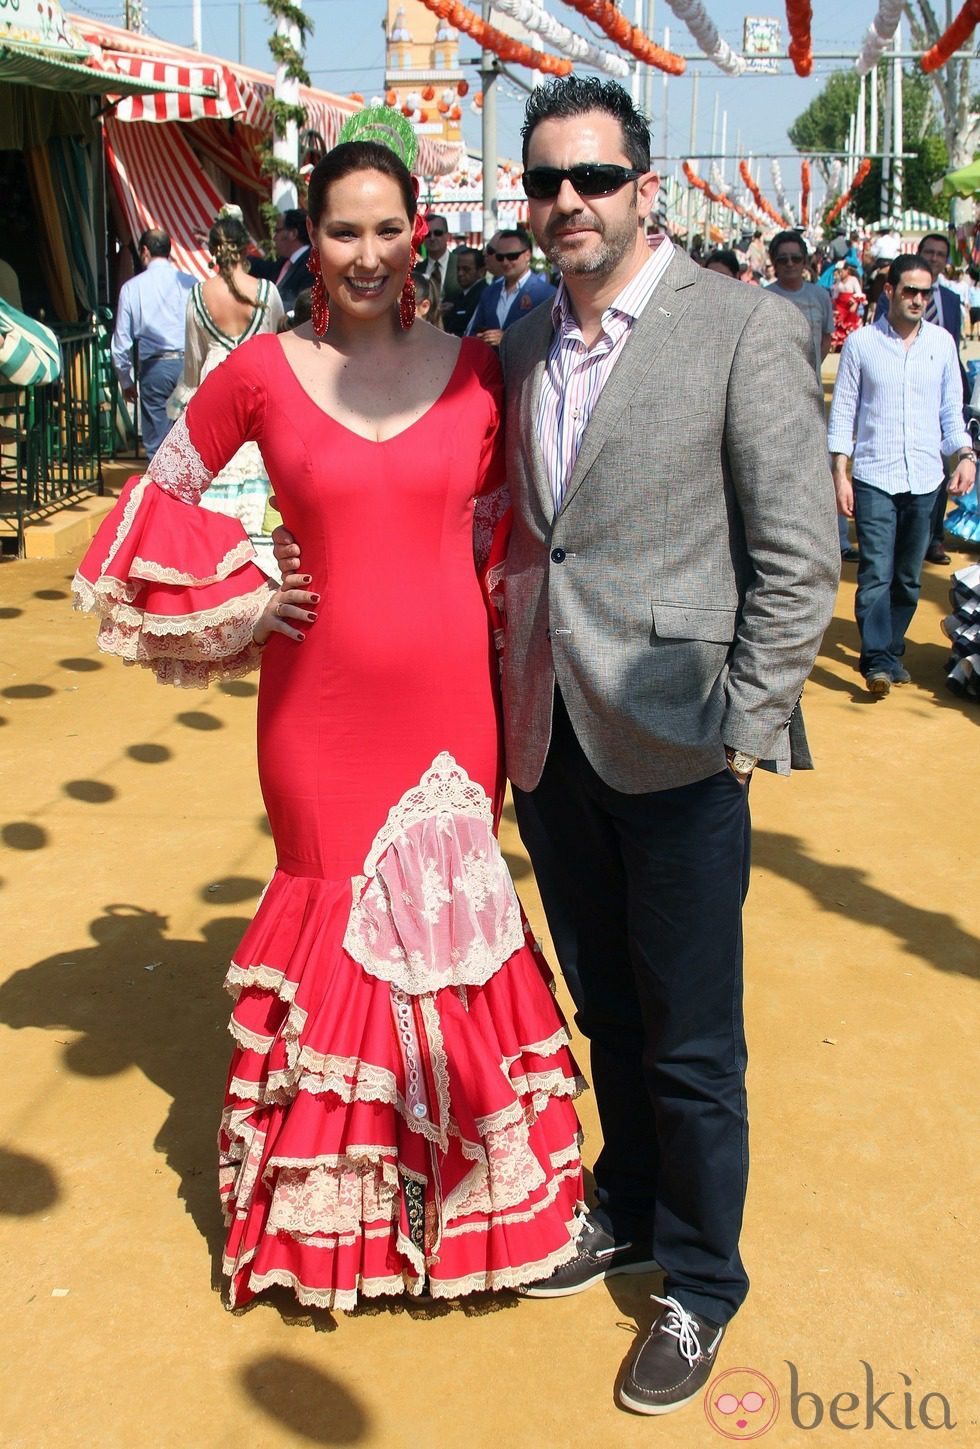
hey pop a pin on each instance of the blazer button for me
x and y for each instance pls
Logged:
(557, 555)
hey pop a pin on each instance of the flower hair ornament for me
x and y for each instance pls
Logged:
(387, 127)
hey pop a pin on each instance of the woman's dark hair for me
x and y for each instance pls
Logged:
(354, 156)
(227, 243)
(726, 259)
(427, 289)
(574, 95)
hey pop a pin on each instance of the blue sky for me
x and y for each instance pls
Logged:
(347, 53)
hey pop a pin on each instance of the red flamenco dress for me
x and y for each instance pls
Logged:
(399, 1105)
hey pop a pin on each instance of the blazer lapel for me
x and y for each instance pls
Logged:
(651, 332)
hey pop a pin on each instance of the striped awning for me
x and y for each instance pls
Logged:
(160, 182)
(180, 92)
(24, 65)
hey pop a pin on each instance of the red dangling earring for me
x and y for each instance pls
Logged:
(406, 304)
(319, 306)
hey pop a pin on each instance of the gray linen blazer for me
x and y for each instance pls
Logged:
(680, 595)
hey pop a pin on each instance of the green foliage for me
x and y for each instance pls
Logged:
(823, 127)
(286, 10)
(285, 53)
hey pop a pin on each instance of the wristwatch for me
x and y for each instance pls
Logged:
(739, 762)
(967, 455)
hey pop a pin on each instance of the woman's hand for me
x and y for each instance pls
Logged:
(288, 606)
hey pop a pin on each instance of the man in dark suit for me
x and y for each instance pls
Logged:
(648, 667)
(288, 268)
(439, 265)
(945, 309)
(472, 285)
(516, 292)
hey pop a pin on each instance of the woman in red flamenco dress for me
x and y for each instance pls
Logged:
(399, 1109)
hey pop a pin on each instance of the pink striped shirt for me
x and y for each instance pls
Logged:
(575, 375)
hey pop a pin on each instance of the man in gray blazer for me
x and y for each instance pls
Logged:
(673, 565)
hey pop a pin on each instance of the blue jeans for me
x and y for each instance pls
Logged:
(893, 533)
(158, 378)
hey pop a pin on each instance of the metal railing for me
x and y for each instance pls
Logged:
(54, 437)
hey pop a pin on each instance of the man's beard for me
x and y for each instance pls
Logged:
(601, 260)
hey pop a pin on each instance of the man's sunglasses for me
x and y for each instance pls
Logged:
(543, 183)
(437, 231)
(789, 257)
(508, 256)
(924, 292)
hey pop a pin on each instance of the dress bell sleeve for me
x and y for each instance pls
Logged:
(176, 587)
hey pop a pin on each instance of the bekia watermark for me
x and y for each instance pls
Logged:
(743, 1404)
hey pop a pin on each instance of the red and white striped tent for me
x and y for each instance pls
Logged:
(172, 155)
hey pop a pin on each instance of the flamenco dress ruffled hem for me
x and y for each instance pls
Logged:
(399, 1111)
(177, 589)
(962, 628)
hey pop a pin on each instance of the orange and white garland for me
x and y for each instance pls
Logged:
(805, 193)
(489, 38)
(798, 18)
(757, 196)
(860, 175)
(719, 197)
(951, 40)
(611, 20)
(576, 47)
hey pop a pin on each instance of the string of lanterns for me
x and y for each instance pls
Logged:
(611, 20)
(805, 193)
(576, 47)
(705, 33)
(777, 185)
(505, 47)
(757, 196)
(951, 40)
(798, 18)
(879, 36)
(861, 174)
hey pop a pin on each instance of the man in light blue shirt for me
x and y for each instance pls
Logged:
(898, 408)
(151, 316)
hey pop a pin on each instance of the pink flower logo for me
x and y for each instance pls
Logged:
(741, 1404)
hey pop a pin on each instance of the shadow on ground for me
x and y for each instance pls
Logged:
(306, 1400)
(139, 998)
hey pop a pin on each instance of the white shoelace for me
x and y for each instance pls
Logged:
(682, 1326)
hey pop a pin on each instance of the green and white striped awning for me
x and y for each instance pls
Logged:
(25, 65)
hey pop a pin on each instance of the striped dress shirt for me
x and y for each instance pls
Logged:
(899, 409)
(575, 374)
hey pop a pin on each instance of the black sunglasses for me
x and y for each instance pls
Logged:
(509, 256)
(543, 183)
(924, 292)
(437, 231)
(789, 257)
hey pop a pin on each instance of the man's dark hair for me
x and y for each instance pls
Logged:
(726, 258)
(517, 233)
(907, 262)
(156, 241)
(295, 220)
(783, 238)
(574, 95)
(934, 236)
(437, 216)
(473, 252)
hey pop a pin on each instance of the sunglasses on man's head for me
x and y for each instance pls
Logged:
(543, 183)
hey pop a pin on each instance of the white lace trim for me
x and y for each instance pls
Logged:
(250, 1040)
(242, 553)
(436, 906)
(546, 1048)
(505, 1219)
(178, 467)
(342, 1299)
(271, 977)
(495, 1279)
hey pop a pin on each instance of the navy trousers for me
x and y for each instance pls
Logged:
(893, 532)
(158, 378)
(645, 892)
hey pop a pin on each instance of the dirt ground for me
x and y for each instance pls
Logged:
(136, 847)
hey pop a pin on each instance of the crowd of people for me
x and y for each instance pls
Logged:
(470, 466)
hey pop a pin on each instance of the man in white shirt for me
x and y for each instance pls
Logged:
(897, 407)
